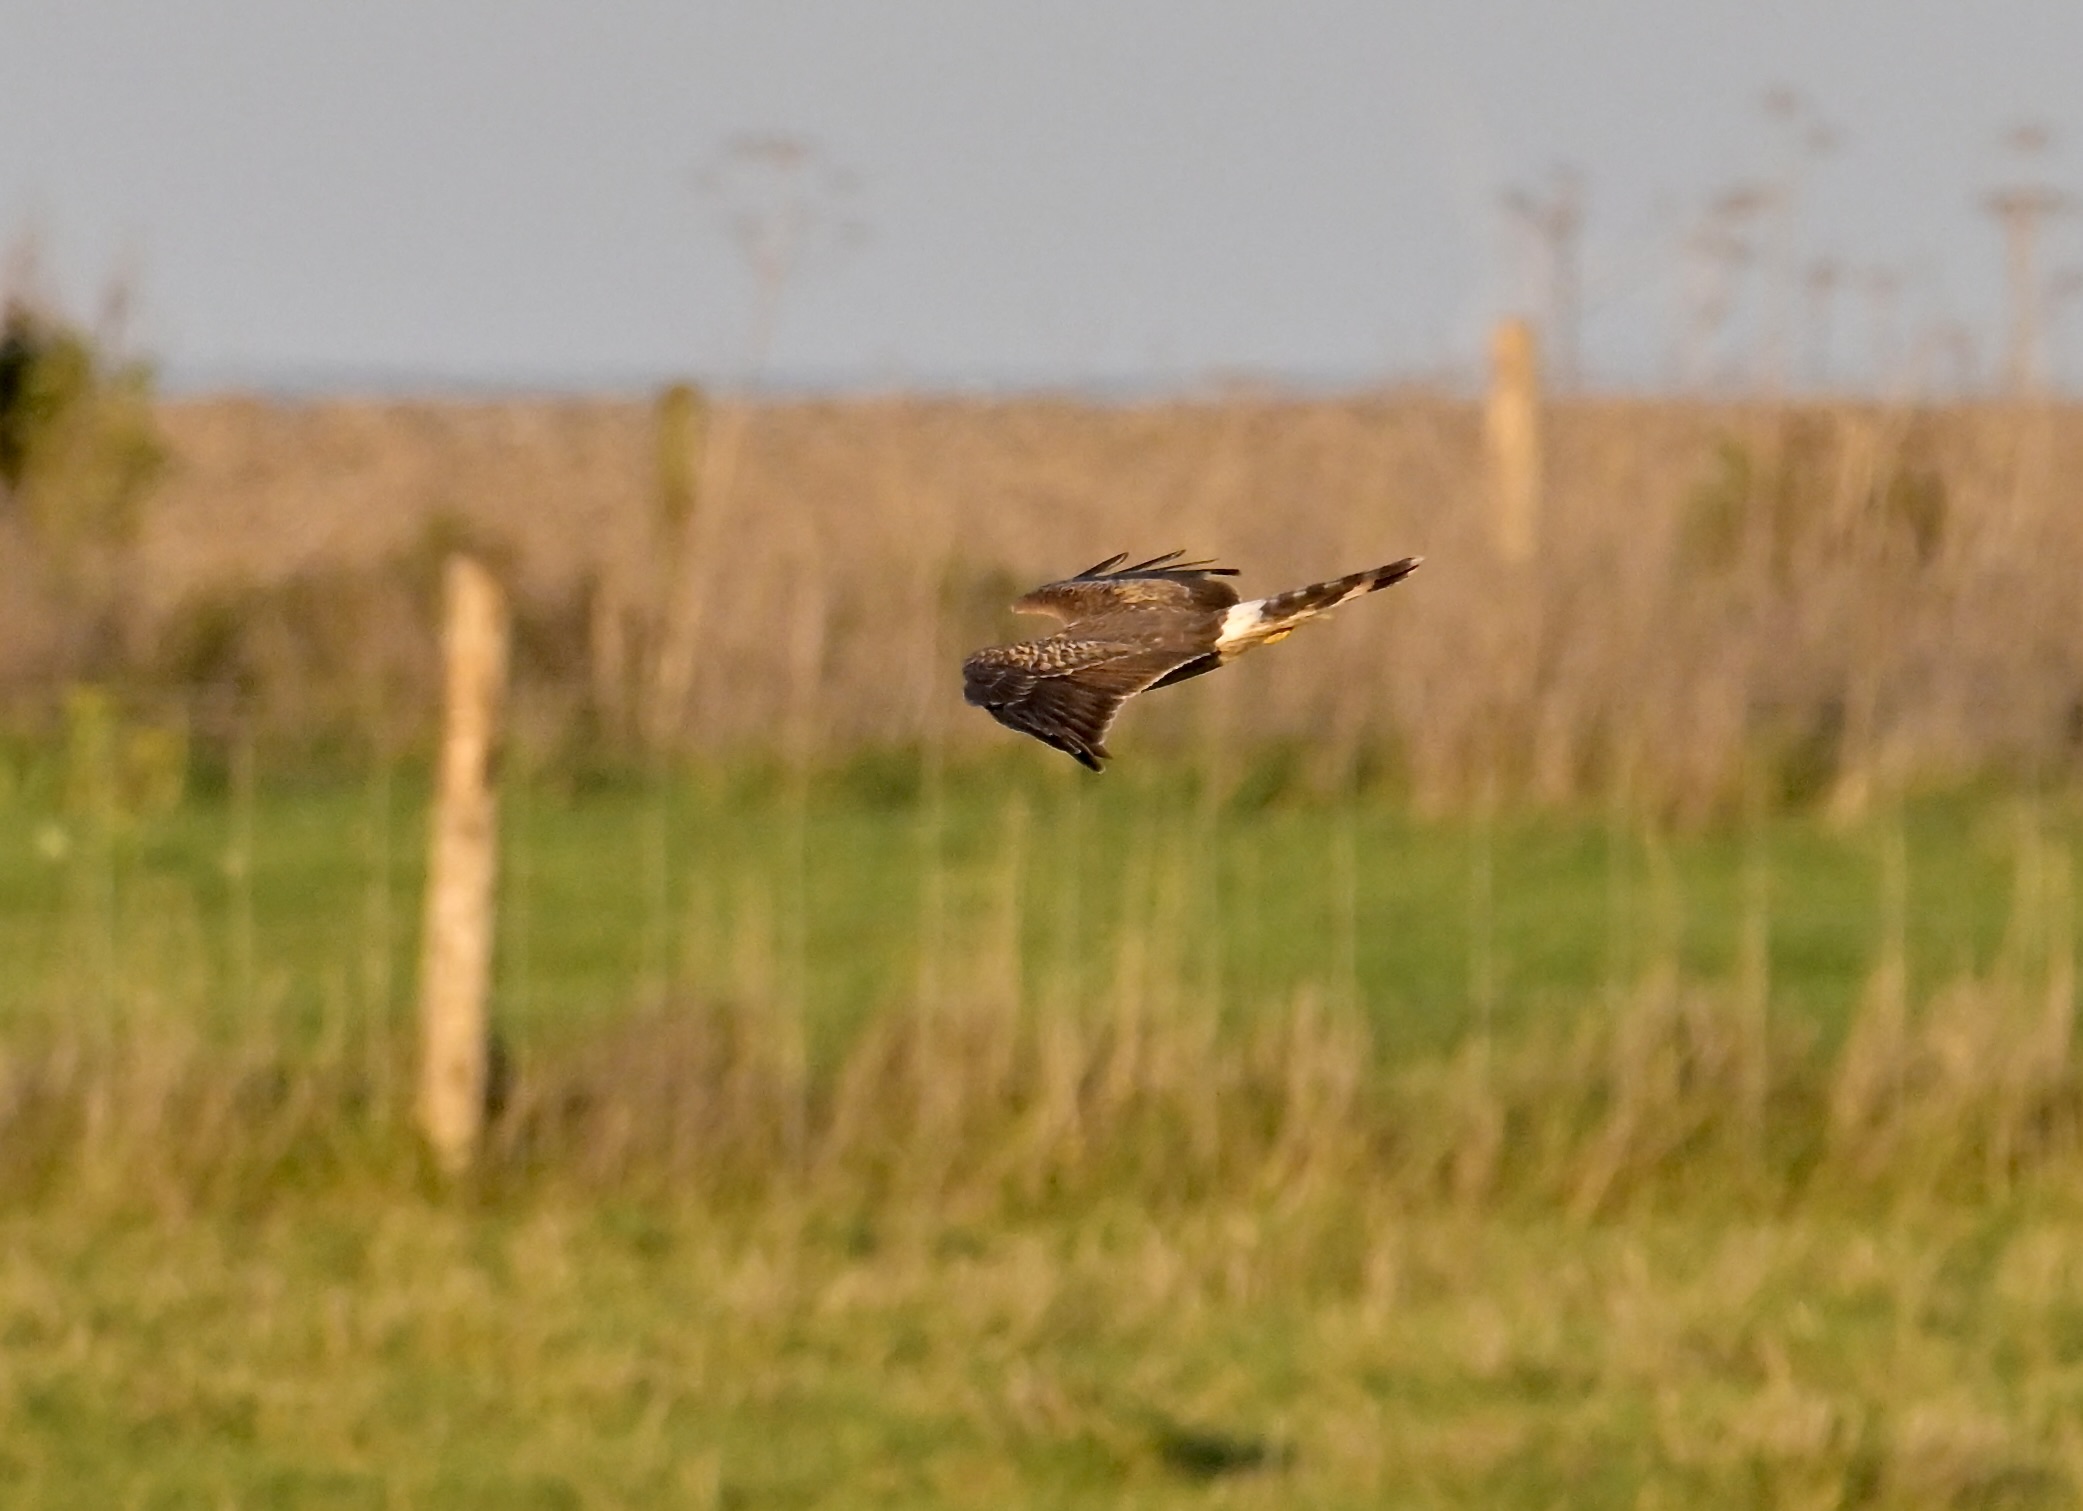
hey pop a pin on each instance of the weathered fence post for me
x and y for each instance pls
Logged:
(1512, 440)
(462, 867)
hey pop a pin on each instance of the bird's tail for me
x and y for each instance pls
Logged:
(1271, 618)
(1300, 603)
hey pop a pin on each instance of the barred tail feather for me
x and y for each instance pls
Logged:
(1318, 596)
(1268, 619)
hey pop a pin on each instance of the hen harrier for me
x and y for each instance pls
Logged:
(1129, 629)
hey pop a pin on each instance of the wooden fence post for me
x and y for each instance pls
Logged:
(1512, 440)
(462, 866)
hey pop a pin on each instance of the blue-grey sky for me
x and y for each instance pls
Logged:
(1080, 192)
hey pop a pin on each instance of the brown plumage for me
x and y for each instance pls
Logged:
(1128, 629)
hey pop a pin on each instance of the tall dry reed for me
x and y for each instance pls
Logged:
(989, 1111)
(1840, 591)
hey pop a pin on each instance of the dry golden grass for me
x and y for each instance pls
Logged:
(1851, 593)
(979, 1103)
(999, 1258)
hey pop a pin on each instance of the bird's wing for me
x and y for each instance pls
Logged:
(1065, 691)
(1108, 586)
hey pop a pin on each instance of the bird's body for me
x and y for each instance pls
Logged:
(1128, 629)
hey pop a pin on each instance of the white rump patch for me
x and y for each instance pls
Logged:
(1238, 624)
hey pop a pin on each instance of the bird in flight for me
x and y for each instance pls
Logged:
(1128, 629)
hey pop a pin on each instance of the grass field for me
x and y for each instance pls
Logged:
(1320, 1350)
(1518, 1050)
(848, 893)
(996, 1137)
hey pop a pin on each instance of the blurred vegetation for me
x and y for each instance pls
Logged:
(896, 1116)
(1325, 1348)
(629, 885)
(683, 422)
(1785, 498)
(1806, 601)
(1037, 1236)
(79, 449)
(80, 452)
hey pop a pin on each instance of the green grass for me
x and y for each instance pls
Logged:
(1020, 1230)
(303, 900)
(402, 1355)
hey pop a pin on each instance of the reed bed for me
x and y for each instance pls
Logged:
(1840, 594)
